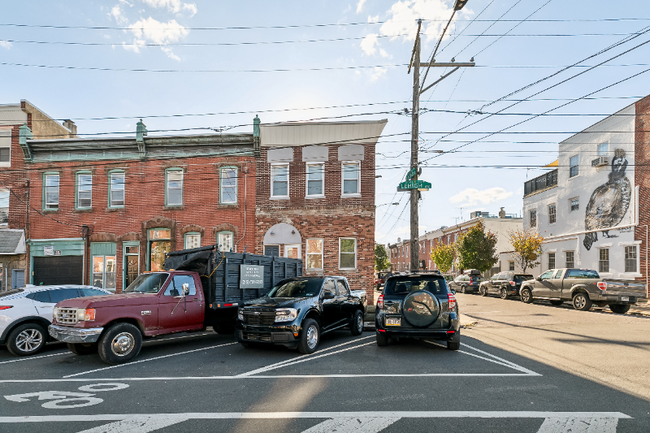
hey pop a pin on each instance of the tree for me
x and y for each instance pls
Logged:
(381, 258)
(527, 246)
(443, 256)
(477, 249)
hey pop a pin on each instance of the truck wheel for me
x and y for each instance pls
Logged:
(556, 303)
(120, 343)
(356, 327)
(482, 291)
(503, 294)
(463, 289)
(224, 329)
(27, 339)
(382, 339)
(619, 308)
(581, 301)
(526, 296)
(82, 349)
(310, 337)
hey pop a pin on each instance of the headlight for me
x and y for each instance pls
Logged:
(240, 314)
(87, 315)
(286, 314)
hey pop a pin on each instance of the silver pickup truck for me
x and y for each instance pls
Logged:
(583, 287)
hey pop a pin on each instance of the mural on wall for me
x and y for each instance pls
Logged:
(609, 202)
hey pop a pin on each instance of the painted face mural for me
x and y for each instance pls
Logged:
(609, 202)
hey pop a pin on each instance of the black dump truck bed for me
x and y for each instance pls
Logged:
(228, 278)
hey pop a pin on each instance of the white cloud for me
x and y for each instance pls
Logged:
(118, 15)
(151, 30)
(5, 44)
(174, 6)
(360, 6)
(378, 73)
(170, 54)
(369, 43)
(374, 19)
(472, 196)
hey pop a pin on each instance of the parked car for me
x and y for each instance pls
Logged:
(583, 287)
(504, 284)
(466, 282)
(26, 313)
(298, 310)
(381, 279)
(417, 306)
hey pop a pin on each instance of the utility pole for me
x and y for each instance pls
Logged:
(418, 89)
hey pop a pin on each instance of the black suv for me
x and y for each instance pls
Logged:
(417, 306)
(504, 284)
(467, 282)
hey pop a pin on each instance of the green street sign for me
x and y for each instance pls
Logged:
(420, 185)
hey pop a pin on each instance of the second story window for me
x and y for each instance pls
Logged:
(228, 179)
(533, 218)
(5, 148)
(174, 192)
(4, 206)
(315, 179)
(603, 148)
(551, 260)
(630, 259)
(603, 260)
(573, 166)
(552, 213)
(192, 240)
(351, 173)
(574, 204)
(51, 182)
(116, 190)
(84, 191)
(280, 181)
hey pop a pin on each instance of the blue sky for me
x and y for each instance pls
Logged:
(198, 66)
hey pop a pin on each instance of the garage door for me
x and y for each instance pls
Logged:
(58, 270)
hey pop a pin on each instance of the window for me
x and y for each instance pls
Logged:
(225, 241)
(570, 262)
(116, 190)
(4, 206)
(314, 254)
(280, 181)
(546, 275)
(175, 286)
(159, 245)
(552, 215)
(192, 240)
(347, 253)
(104, 272)
(574, 204)
(174, 187)
(228, 179)
(342, 288)
(351, 172)
(51, 182)
(533, 218)
(5, 148)
(84, 190)
(603, 260)
(573, 166)
(272, 250)
(511, 266)
(551, 260)
(602, 149)
(630, 259)
(315, 179)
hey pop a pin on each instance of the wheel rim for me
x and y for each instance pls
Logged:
(504, 295)
(122, 344)
(525, 295)
(29, 340)
(359, 323)
(312, 337)
(579, 301)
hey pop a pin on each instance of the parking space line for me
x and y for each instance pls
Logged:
(137, 424)
(515, 366)
(30, 358)
(579, 425)
(147, 360)
(352, 425)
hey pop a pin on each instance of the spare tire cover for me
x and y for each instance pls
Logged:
(421, 308)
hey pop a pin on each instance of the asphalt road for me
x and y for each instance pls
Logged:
(521, 368)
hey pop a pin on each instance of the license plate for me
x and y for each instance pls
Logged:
(393, 321)
(625, 298)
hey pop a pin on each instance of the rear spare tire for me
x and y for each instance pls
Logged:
(421, 308)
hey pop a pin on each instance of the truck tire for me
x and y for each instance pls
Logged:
(310, 337)
(526, 296)
(120, 343)
(382, 339)
(82, 349)
(503, 294)
(581, 301)
(356, 326)
(482, 291)
(619, 308)
(224, 329)
(27, 339)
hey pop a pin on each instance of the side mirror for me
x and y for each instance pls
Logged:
(186, 289)
(328, 295)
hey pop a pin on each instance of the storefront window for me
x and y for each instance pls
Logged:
(104, 272)
(159, 245)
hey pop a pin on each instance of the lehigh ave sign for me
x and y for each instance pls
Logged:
(420, 185)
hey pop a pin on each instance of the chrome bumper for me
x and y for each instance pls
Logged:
(75, 335)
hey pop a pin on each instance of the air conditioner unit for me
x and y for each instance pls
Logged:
(600, 161)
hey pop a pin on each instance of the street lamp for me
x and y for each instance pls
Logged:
(459, 4)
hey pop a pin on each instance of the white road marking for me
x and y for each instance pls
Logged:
(31, 358)
(102, 387)
(515, 366)
(137, 424)
(579, 425)
(352, 425)
(147, 360)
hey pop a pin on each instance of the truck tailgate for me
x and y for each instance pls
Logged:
(629, 288)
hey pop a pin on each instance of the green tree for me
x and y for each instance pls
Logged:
(443, 256)
(527, 246)
(381, 258)
(477, 249)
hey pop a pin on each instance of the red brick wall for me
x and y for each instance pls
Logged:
(15, 179)
(642, 178)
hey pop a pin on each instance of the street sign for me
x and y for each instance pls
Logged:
(420, 185)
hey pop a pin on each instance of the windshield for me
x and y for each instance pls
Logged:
(408, 284)
(147, 283)
(299, 288)
(521, 278)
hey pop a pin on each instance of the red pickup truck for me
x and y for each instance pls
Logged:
(202, 287)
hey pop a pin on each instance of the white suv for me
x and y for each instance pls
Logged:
(26, 313)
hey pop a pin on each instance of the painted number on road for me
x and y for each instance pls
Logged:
(66, 399)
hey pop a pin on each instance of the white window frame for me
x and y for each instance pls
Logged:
(549, 255)
(51, 205)
(627, 260)
(577, 206)
(7, 193)
(178, 175)
(320, 254)
(104, 271)
(358, 179)
(227, 244)
(576, 166)
(321, 180)
(223, 187)
(111, 189)
(341, 253)
(5, 143)
(80, 191)
(190, 238)
(279, 197)
(554, 213)
(532, 217)
(287, 247)
(602, 262)
(566, 259)
(601, 151)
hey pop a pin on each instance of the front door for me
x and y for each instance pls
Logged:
(177, 312)
(330, 306)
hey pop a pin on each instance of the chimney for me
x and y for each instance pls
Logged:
(502, 213)
(71, 127)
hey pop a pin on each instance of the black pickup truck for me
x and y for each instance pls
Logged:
(298, 310)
